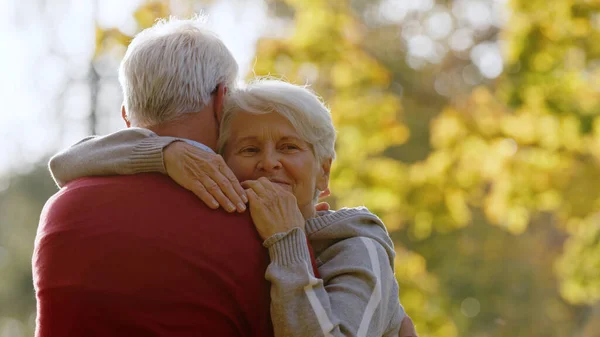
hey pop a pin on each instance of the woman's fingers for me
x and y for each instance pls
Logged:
(325, 193)
(226, 171)
(256, 186)
(203, 194)
(252, 197)
(407, 328)
(220, 182)
(273, 209)
(229, 183)
(322, 206)
(215, 191)
(270, 187)
(188, 166)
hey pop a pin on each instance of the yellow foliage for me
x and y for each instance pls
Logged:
(106, 39)
(574, 59)
(457, 206)
(548, 131)
(447, 129)
(387, 171)
(420, 296)
(528, 145)
(423, 225)
(578, 267)
(521, 127)
(395, 134)
(517, 219)
(570, 134)
(481, 96)
(147, 14)
(516, 36)
(548, 200)
(394, 219)
(496, 205)
(581, 27)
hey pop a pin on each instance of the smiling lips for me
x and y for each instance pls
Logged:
(281, 182)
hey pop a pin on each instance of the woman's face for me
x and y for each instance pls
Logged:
(269, 146)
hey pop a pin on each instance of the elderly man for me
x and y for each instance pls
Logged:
(138, 255)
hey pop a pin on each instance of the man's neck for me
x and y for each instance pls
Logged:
(193, 127)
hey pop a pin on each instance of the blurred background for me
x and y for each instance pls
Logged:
(471, 127)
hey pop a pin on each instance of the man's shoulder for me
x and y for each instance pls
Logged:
(96, 189)
(148, 185)
(117, 181)
(149, 205)
(148, 193)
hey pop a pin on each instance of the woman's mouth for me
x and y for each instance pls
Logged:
(282, 183)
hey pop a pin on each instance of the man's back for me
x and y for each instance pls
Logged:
(140, 256)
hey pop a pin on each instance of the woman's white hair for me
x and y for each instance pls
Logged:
(173, 68)
(298, 104)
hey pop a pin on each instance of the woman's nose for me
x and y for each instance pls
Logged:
(270, 161)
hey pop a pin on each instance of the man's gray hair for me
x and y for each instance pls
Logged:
(298, 104)
(172, 69)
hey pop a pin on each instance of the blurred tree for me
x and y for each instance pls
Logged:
(528, 145)
(20, 207)
(501, 284)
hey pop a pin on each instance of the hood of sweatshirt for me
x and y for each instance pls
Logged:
(329, 227)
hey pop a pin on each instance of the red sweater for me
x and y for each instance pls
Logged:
(140, 256)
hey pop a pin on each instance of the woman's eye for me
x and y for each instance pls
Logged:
(249, 150)
(289, 147)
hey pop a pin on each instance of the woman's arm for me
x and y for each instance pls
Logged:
(137, 150)
(357, 295)
(129, 151)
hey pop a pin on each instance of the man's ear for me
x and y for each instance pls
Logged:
(323, 179)
(219, 101)
(124, 115)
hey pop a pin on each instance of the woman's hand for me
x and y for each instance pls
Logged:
(407, 328)
(323, 206)
(205, 174)
(273, 209)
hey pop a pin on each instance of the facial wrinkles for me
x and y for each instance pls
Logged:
(267, 135)
(276, 150)
(273, 142)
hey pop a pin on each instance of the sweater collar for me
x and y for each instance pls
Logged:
(326, 218)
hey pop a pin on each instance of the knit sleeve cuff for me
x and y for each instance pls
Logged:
(288, 248)
(147, 156)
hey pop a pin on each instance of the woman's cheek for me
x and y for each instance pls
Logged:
(243, 169)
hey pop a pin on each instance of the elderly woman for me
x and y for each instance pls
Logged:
(278, 140)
